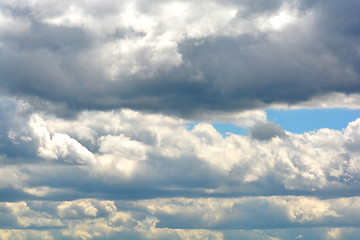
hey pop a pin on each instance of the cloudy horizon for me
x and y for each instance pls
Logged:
(179, 119)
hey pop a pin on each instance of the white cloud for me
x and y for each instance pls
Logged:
(8, 234)
(12, 177)
(39, 191)
(304, 209)
(149, 36)
(11, 26)
(59, 146)
(122, 147)
(241, 119)
(26, 217)
(167, 217)
(330, 100)
(119, 142)
(157, 31)
(79, 209)
(157, 151)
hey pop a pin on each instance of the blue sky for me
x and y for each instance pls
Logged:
(304, 120)
(297, 121)
(223, 128)
(176, 120)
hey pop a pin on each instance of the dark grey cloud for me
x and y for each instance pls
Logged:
(63, 63)
(266, 131)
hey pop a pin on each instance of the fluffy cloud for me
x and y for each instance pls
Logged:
(159, 154)
(58, 146)
(164, 218)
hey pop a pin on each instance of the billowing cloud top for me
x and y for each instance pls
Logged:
(106, 110)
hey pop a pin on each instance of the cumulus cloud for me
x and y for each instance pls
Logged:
(159, 155)
(182, 218)
(58, 146)
(243, 213)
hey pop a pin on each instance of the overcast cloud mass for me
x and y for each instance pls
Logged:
(96, 98)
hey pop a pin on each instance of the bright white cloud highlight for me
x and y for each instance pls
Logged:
(59, 146)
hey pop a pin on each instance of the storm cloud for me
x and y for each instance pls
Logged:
(178, 58)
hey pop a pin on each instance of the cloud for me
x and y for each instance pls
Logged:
(331, 100)
(96, 101)
(266, 131)
(183, 218)
(110, 153)
(14, 138)
(244, 213)
(352, 135)
(23, 216)
(58, 146)
(171, 57)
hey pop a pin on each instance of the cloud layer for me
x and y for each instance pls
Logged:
(175, 218)
(155, 151)
(164, 180)
(178, 57)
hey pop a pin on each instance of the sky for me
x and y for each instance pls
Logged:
(162, 119)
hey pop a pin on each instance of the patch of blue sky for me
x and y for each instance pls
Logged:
(228, 128)
(304, 120)
(191, 125)
(223, 128)
(296, 121)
